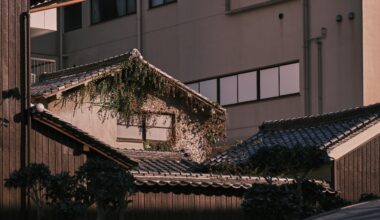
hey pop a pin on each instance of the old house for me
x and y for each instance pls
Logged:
(168, 140)
(171, 116)
(351, 138)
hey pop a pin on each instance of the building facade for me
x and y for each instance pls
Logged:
(261, 59)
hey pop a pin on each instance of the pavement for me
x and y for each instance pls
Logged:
(362, 211)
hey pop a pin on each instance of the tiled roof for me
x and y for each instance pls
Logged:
(98, 146)
(172, 169)
(37, 3)
(53, 83)
(325, 131)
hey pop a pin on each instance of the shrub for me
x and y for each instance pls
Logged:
(281, 202)
(365, 197)
(34, 179)
(108, 184)
(271, 202)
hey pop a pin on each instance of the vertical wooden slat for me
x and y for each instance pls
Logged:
(5, 104)
(359, 178)
(2, 122)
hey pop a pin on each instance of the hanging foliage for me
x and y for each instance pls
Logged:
(121, 94)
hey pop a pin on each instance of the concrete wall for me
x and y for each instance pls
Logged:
(371, 51)
(342, 62)
(195, 40)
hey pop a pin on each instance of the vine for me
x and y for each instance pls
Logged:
(121, 94)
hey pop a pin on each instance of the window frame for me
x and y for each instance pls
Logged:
(107, 20)
(258, 86)
(144, 128)
(161, 5)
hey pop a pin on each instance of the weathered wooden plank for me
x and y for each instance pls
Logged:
(2, 122)
(359, 176)
(5, 101)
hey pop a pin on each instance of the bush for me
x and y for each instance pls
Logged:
(365, 197)
(271, 202)
(282, 202)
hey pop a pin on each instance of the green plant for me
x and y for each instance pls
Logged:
(108, 184)
(296, 161)
(34, 179)
(272, 202)
(364, 197)
(122, 95)
(264, 201)
(67, 197)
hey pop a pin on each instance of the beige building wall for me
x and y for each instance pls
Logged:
(197, 39)
(342, 52)
(371, 51)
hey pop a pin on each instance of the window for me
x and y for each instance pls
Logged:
(269, 86)
(156, 128)
(72, 17)
(251, 86)
(247, 86)
(194, 86)
(104, 10)
(289, 79)
(208, 88)
(157, 3)
(228, 90)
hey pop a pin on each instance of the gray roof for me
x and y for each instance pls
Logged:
(157, 168)
(324, 131)
(63, 80)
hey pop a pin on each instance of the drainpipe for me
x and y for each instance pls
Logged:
(25, 103)
(320, 78)
(139, 26)
(60, 37)
(306, 55)
(319, 41)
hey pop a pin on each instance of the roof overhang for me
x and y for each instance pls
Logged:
(355, 142)
(89, 142)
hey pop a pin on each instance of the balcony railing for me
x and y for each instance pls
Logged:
(41, 66)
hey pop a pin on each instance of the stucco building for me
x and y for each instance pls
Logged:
(261, 59)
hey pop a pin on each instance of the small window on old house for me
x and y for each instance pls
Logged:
(158, 128)
(153, 129)
(72, 17)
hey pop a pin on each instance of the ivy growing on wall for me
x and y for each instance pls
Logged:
(122, 93)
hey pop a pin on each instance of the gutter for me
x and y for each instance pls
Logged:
(306, 55)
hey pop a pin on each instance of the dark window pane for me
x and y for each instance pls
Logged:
(72, 17)
(131, 6)
(154, 3)
(104, 10)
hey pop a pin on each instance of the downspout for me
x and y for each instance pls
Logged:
(139, 27)
(320, 78)
(306, 55)
(25, 102)
(60, 38)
